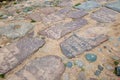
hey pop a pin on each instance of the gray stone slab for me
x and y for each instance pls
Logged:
(76, 45)
(104, 15)
(77, 14)
(88, 5)
(61, 29)
(15, 53)
(45, 68)
(114, 6)
(15, 30)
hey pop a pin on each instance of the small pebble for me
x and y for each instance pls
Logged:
(115, 57)
(91, 57)
(116, 44)
(97, 72)
(69, 64)
(79, 63)
(119, 39)
(100, 68)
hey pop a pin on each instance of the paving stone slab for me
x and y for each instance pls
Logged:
(76, 44)
(65, 3)
(61, 29)
(75, 14)
(88, 5)
(57, 16)
(46, 68)
(15, 30)
(104, 15)
(114, 6)
(14, 54)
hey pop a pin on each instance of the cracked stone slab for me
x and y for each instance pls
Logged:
(77, 44)
(88, 5)
(114, 6)
(15, 53)
(104, 15)
(45, 68)
(77, 14)
(59, 30)
(15, 30)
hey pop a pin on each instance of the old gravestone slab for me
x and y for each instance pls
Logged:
(59, 30)
(114, 6)
(15, 30)
(13, 54)
(104, 15)
(76, 44)
(75, 14)
(88, 5)
(45, 68)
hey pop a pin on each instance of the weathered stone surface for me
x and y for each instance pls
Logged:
(61, 29)
(46, 68)
(65, 3)
(88, 5)
(81, 76)
(76, 45)
(114, 6)
(15, 30)
(104, 15)
(35, 16)
(76, 14)
(13, 54)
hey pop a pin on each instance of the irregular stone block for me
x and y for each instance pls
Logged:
(88, 5)
(76, 14)
(76, 45)
(45, 68)
(57, 16)
(15, 30)
(14, 54)
(59, 30)
(114, 6)
(104, 15)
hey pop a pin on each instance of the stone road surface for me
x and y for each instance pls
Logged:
(60, 40)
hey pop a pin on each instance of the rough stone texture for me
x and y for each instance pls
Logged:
(88, 5)
(104, 15)
(114, 5)
(13, 54)
(76, 45)
(35, 16)
(61, 29)
(15, 30)
(46, 68)
(65, 3)
(76, 14)
(81, 76)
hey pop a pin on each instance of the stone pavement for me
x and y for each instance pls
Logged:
(60, 40)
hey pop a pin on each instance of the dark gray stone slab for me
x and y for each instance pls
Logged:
(104, 15)
(45, 68)
(61, 29)
(15, 30)
(114, 6)
(76, 14)
(76, 45)
(15, 53)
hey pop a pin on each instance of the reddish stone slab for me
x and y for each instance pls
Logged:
(76, 45)
(15, 53)
(59, 30)
(45, 68)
